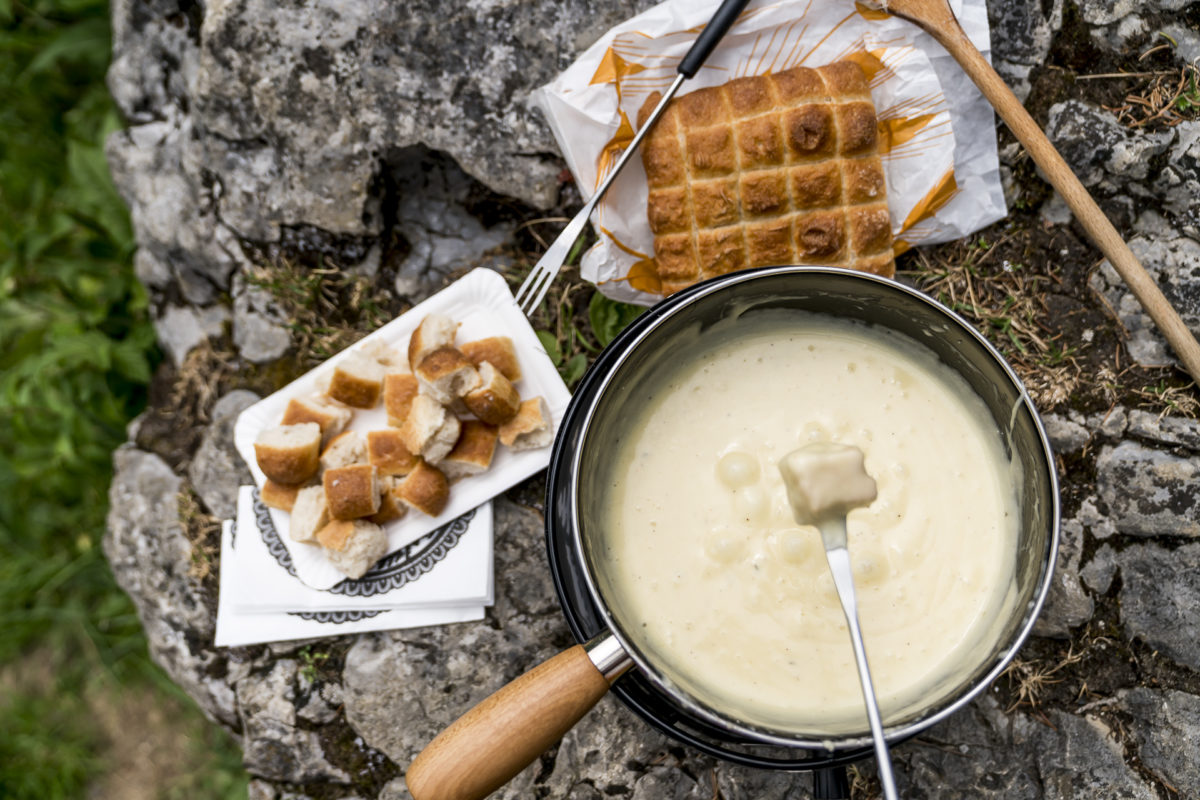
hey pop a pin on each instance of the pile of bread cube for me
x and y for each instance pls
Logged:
(448, 408)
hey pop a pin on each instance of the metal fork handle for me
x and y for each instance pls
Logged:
(833, 535)
(534, 289)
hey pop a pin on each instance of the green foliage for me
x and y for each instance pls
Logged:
(608, 317)
(76, 349)
(48, 747)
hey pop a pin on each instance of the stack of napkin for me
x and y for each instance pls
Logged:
(444, 576)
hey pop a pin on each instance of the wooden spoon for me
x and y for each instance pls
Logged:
(936, 18)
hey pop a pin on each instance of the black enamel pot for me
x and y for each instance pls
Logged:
(598, 415)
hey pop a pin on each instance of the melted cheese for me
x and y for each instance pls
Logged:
(709, 575)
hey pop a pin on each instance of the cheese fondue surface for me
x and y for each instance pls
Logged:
(709, 575)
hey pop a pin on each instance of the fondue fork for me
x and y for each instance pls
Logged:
(833, 536)
(534, 289)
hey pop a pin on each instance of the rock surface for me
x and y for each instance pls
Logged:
(395, 145)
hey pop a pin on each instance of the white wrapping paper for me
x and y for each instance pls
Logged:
(937, 131)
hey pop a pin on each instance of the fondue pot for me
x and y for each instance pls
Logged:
(510, 729)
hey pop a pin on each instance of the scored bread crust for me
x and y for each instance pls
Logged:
(495, 401)
(425, 489)
(499, 351)
(352, 491)
(767, 170)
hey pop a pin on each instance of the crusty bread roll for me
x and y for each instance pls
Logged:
(386, 451)
(346, 448)
(436, 330)
(353, 546)
(473, 453)
(499, 351)
(425, 489)
(390, 506)
(332, 416)
(289, 453)
(531, 428)
(766, 170)
(357, 381)
(387, 356)
(398, 393)
(352, 492)
(280, 495)
(309, 514)
(495, 401)
(446, 374)
(429, 431)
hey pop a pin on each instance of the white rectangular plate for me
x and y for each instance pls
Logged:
(484, 304)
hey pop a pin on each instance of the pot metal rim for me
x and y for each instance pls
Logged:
(668, 309)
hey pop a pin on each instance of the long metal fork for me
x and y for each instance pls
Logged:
(533, 290)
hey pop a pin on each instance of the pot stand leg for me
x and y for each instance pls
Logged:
(831, 783)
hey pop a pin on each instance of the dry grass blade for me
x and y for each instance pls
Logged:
(1032, 677)
(1167, 98)
(1005, 301)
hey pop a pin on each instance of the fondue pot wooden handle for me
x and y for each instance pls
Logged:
(496, 739)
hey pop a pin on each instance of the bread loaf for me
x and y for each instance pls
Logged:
(767, 170)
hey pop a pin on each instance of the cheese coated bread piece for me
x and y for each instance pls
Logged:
(289, 453)
(766, 170)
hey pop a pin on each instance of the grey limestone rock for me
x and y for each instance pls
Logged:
(1160, 599)
(432, 215)
(1022, 33)
(1065, 435)
(1173, 260)
(181, 329)
(259, 326)
(216, 470)
(1179, 182)
(151, 558)
(1179, 431)
(1107, 157)
(1081, 757)
(1149, 492)
(1099, 572)
(1068, 603)
(275, 748)
(1166, 726)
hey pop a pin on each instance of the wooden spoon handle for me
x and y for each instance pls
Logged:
(943, 26)
(498, 738)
